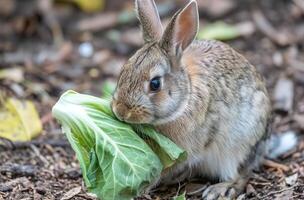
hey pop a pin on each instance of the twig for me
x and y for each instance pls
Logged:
(270, 163)
(10, 145)
(260, 183)
(16, 169)
(277, 192)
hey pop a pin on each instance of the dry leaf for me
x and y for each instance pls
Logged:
(19, 120)
(88, 6)
(291, 180)
(15, 74)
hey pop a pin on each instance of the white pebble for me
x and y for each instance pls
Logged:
(86, 49)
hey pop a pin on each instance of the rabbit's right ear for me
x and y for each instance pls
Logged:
(149, 19)
(181, 30)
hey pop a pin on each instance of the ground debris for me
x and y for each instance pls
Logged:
(18, 170)
(71, 193)
(292, 179)
(284, 95)
(280, 37)
(216, 8)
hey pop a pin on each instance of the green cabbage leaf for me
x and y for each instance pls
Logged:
(118, 160)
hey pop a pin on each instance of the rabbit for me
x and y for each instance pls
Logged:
(203, 95)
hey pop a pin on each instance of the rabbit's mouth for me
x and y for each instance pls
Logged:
(131, 115)
(134, 119)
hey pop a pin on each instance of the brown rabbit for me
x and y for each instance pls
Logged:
(203, 95)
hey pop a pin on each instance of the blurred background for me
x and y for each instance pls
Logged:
(50, 46)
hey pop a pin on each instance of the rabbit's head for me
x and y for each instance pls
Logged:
(153, 86)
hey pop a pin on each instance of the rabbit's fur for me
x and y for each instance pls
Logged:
(212, 102)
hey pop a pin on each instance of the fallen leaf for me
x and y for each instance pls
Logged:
(88, 6)
(14, 74)
(291, 180)
(19, 120)
(71, 193)
(180, 197)
(218, 31)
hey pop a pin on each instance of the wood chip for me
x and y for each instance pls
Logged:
(250, 190)
(71, 193)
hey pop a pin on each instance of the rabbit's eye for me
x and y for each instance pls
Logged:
(155, 84)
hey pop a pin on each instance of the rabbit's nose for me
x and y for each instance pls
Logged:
(120, 110)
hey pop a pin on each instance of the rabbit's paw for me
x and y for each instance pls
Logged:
(223, 190)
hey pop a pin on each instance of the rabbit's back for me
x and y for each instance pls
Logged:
(231, 108)
(225, 73)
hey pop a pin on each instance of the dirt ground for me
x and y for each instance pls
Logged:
(60, 47)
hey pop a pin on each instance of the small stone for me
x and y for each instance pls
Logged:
(86, 49)
(277, 59)
(284, 95)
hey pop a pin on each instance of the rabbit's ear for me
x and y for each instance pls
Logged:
(149, 19)
(181, 30)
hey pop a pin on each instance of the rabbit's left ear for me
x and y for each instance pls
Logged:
(182, 29)
(149, 19)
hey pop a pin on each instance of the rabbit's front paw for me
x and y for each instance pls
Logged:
(223, 190)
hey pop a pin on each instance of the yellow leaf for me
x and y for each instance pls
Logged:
(87, 5)
(19, 120)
